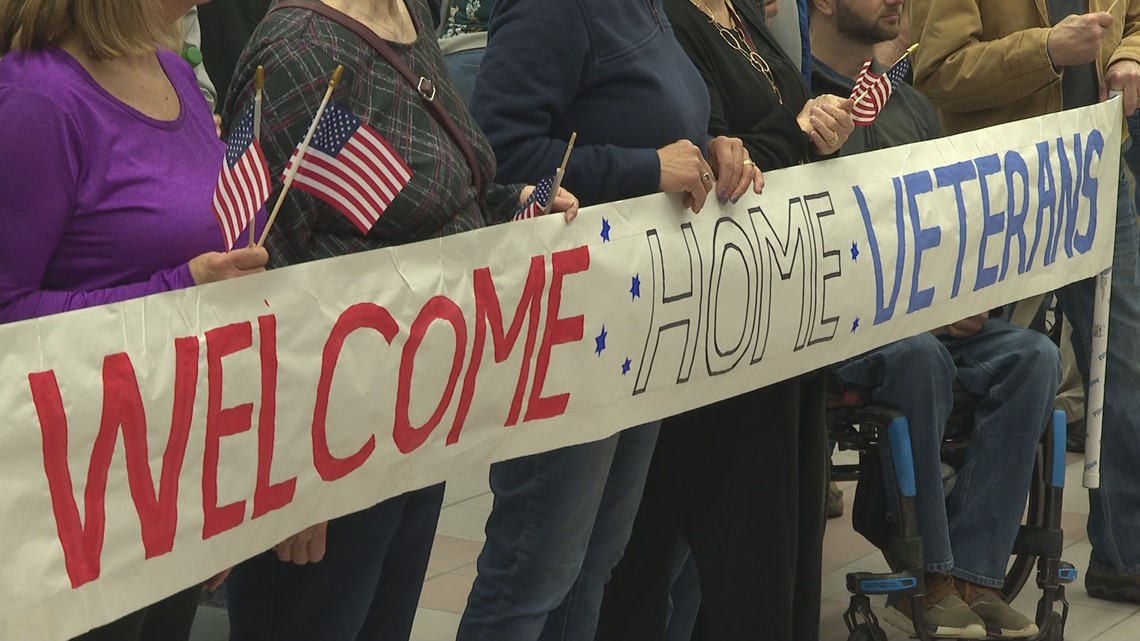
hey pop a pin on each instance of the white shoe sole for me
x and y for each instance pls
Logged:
(900, 621)
(1029, 631)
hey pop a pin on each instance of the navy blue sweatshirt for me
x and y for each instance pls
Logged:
(610, 70)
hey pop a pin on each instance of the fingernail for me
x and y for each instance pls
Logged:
(723, 194)
(734, 200)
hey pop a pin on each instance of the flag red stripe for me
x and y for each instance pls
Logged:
(340, 196)
(384, 152)
(363, 195)
(360, 181)
(374, 152)
(340, 192)
(356, 172)
(241, 191)
(358, 161)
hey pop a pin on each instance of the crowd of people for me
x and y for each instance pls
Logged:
(707, 525)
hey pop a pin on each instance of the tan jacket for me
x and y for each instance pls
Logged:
(985, 62)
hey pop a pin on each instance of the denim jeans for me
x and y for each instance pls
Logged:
(365, 589)
(1114, 508)
(1131, 156)
(559, 525)
(463, 66)
(1015, 373)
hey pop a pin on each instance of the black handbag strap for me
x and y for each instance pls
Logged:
(423, 86)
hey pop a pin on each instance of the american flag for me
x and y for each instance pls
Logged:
(538, 200)
(873, 87)
(352, 167)
(244, 184)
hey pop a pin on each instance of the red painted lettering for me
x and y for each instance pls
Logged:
(488, 313)
(406, 437)
(220, 423)
(359, 316)
(268, 496)
(558, 331)
(122, 410)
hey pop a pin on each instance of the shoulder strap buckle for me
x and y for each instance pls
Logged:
(426, 88)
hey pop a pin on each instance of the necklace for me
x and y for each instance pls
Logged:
(737, 38)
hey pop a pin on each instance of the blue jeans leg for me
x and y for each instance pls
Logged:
(559, 524)
(916, 376)
(365, 589)
(1015, 373)
(1114, 509)
(1131, 156)
(463, 67)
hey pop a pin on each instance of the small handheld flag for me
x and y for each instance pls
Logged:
(874, 86)
(352, 167)
(539, 200)
(244, 184)
(292, 171)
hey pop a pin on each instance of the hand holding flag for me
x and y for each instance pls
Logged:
(541, 200)
(874, 85)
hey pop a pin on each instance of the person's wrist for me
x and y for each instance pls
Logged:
(1049, 52)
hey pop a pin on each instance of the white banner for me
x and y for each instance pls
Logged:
(149, 444)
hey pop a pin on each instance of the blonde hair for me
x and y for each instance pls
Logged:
(105, 29)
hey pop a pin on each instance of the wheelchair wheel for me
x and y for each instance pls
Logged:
(1022, 566)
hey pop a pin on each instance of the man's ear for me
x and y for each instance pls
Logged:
(824, 7)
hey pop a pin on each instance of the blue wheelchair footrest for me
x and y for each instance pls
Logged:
(871, 583)
(1067, 573)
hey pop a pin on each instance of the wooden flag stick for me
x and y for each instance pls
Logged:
(296, 164)
(1112, 6)
(258, 85)
(559, 173)
(906, 53)
(569, 148)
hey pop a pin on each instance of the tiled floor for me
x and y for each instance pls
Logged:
(468, 502)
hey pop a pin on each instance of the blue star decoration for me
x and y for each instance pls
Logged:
(605, 231)
(854, 324)
(625, 366)
(600, 341)
(854, 252)
(635, 289)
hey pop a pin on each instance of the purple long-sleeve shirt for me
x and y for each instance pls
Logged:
(98, 202)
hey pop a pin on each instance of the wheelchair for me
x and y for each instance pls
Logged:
(856, 422)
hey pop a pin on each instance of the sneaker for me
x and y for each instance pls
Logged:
(944, 614)
(1002, 621)
(834, 501)
(1112, 587)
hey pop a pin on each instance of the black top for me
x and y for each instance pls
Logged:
(226, 27)
(743, 103)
